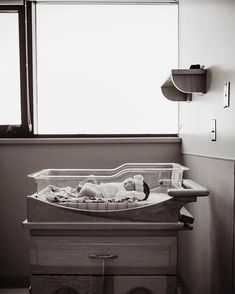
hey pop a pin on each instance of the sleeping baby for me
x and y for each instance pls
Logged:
(132, 188)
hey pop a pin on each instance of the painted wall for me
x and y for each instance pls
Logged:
(19, 160)
(206, 252)
(206, 36)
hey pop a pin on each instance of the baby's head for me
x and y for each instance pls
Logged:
(137, 184)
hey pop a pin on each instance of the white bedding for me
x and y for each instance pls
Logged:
(104, 203)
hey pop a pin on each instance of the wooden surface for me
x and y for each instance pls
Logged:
(124, 226)
(189, 72)
(61, 264)
(65, 285)
(172, 93)
(112, 285)
(145, 254)
(71, 254)
(143, 261)
(166, 211)
(140, 284)
(194, 83)
(183, 82)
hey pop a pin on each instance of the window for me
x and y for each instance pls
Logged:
(99, 69)
(87, 69)
(10, 111)
(13, 98)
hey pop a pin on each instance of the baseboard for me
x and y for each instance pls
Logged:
(14, 291)
(14, 282)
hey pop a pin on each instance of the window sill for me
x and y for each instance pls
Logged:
(120, 140)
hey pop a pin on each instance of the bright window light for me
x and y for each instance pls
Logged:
(100, 68)
(10, 110)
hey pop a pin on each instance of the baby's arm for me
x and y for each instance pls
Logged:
(121, 195)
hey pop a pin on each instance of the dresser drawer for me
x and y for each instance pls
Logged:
(120, 255)
(48, 284)
(140, 285)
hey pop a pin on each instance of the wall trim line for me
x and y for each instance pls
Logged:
(209, 156)
(119, 140)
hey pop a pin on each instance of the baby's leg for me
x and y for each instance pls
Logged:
(89, 190)
(90, 179)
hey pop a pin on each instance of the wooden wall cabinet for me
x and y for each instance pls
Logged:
(183, 82)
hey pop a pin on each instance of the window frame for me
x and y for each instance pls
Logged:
(9, 131)
(27, 19)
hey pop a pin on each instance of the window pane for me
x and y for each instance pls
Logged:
(10, 110)
(100, 68)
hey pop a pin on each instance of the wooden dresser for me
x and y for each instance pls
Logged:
(103, 258)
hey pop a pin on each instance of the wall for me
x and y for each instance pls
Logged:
(19, 160)
(206, 36)
(206, 252)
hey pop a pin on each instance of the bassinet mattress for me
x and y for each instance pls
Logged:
(109, 204)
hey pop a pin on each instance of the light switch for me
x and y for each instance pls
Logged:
(213, 130)
(226, 97)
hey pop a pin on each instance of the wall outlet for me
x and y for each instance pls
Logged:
(213, 130)
(226, 96)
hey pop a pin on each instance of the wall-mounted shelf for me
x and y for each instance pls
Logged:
(183, 82)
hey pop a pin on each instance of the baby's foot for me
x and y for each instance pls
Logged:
(78, 188)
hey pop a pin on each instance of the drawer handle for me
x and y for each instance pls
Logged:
(102, 256)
